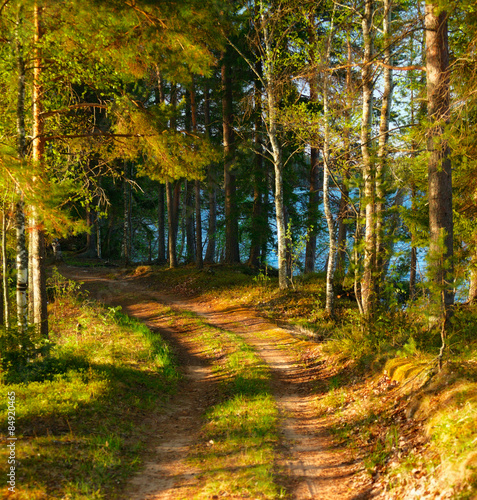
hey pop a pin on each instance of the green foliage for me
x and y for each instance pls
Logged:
(75, 404)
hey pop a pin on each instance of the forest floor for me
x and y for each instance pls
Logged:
(274, 402)
(307, 462)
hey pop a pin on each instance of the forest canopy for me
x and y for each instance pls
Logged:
(325, 136)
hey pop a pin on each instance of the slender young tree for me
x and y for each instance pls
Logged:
(21, 248)
(37, 235)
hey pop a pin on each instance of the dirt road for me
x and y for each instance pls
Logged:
(311, 466)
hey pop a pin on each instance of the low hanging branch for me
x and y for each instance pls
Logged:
(46, 114)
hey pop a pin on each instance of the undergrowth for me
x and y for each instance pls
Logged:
(413, 426)
(80, 407)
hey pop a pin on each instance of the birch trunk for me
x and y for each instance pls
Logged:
(21, 249)
(40, 312)
(367, 288)
(382, 148)
(272, 131)
(6, 298)
(330, 268)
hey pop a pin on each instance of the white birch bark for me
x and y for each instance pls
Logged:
(382, 143)
(330, 271)
(21, 249)
(367, 294)
(272, 132)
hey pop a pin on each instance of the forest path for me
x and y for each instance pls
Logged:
(310, 465)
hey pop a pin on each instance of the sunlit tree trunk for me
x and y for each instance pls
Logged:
(439, 166)
(344, 199)
(5, 294)
(21, 248)
(367, 285)
(330, 268)
(382, 147)
(276, 149)
(40, 312)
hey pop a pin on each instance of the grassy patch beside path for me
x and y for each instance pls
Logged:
(80, 413)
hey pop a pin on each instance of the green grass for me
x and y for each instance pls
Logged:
(236, 452)
(80, 411)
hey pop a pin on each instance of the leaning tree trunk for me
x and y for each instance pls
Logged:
(40, 312)
(439, 166)
(367, 285)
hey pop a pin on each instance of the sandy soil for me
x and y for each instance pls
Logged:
(311, 465)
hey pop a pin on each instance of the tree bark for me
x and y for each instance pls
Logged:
(272, 131)
(382, 148)
(330, 269)
(189, 222)
(40, 312)
(5, 294)
(367, 285)
(232, 255)
(21, 249)
(257, 233)
(171, 223)
(211, 188)
(314, 199)
(161, 225)
(439, 166)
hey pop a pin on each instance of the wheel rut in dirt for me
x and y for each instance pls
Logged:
(310, 466)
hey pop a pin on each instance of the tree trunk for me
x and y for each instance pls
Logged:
(439, 166)
(367, 285)
(91, 235)
(161, 225)
(344, 199)
(272, 131)
(21, 249)
(126, 248)
(171, 222)
(189, 222)
(314, 198)
(211, 188)
(40, 312)
(330, 269)
(6, 298)
(382, 148)
(232, 255)
(257, 229)
(199, 261)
